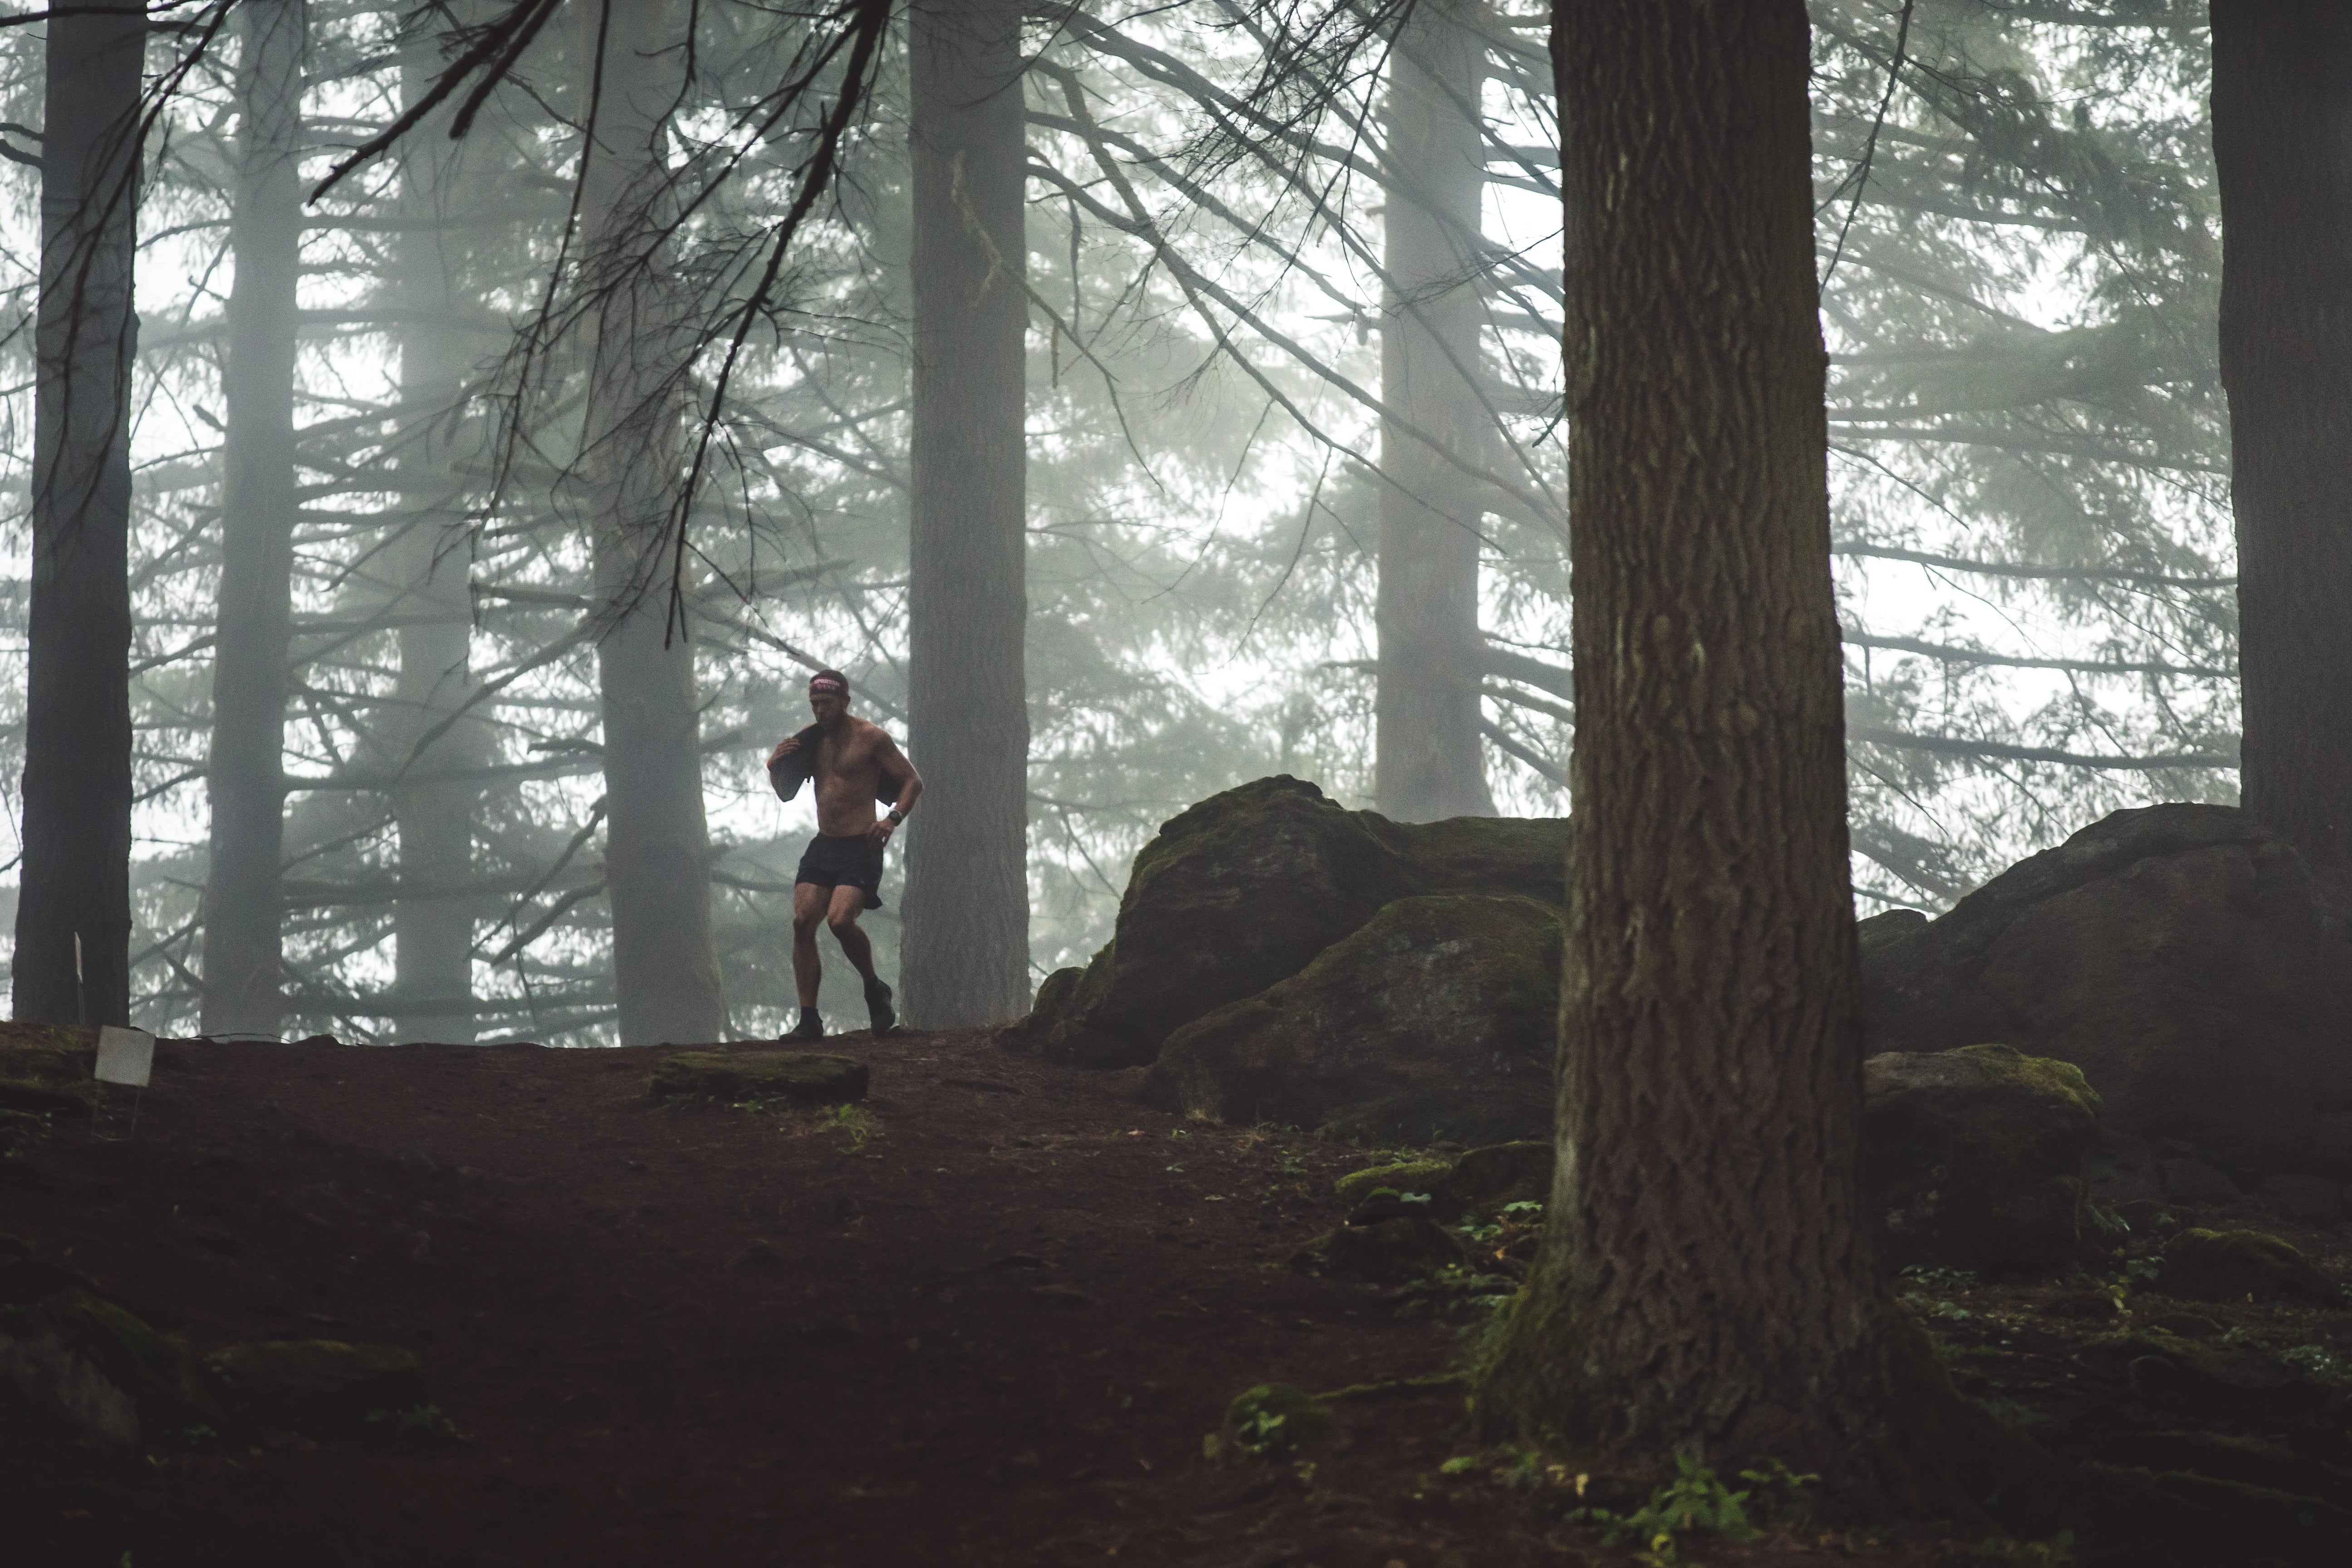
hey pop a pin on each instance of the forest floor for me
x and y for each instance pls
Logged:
(988, 1317)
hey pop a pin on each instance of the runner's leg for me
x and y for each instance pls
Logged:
(848, 904)
(808, 913)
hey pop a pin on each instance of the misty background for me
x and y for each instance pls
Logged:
(1293, 497)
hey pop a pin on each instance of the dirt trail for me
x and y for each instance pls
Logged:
(986, 1318)
(987, 1321)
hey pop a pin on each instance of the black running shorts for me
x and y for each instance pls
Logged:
(852, 861)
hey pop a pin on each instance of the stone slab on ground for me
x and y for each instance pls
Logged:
(2182, 956)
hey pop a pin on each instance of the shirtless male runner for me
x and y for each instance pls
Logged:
(855, 764)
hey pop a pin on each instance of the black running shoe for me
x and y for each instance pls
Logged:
(878, 1009)
(810, 1027)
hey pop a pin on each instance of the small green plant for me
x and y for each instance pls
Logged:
(1260, 1433)
(1523, 1470)
(1274, 1419)
(1291, 1166)
(1694, 1503)
(1779, 1493)
(1943, 1311)
(856, 1121)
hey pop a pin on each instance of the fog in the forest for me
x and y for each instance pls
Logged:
(1293, 498)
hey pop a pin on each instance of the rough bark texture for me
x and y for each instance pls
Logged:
(2283, 148)
(432, 922)
(1430, 759)
(656, 840)
(964, 959)
(246, 777)
(1708, 1286)
(76, 878)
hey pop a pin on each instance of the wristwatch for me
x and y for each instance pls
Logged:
(895, 817)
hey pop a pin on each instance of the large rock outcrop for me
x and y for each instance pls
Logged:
(2183, 957)
(1245, 890)
(1434, 1021)
(1974, 1158)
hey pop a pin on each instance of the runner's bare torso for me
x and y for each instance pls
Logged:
(852, 761)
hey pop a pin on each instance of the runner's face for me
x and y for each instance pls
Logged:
(827, 706)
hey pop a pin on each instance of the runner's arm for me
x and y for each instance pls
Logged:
(901, 771)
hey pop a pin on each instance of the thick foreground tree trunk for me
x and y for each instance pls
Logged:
(245, 775)
(964, 957)
(2283, 148)
(657, 840)
(1430, 759)
(432, 929)
(1707, 1287)
(76, 880)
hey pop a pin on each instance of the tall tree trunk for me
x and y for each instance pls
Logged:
(245, 775)
(964, 959)
(76, 880)
(657, 843)
(1429, 755)
(2283, 148)
(1706, 1286)
(433, 932)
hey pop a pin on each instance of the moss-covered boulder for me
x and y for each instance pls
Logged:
(1973, 1158)
(1432, 1023)
(1244, 889)
(2239, 1266)
(793, 1078)
(1479, 1182)
(88, 1366)
(1422, 1176)
(1388, 1252)
(2182, 956)
(1275, 1418)
(320, 1385)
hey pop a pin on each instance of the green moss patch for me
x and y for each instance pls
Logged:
(794, 1077)
(2046, 1074)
